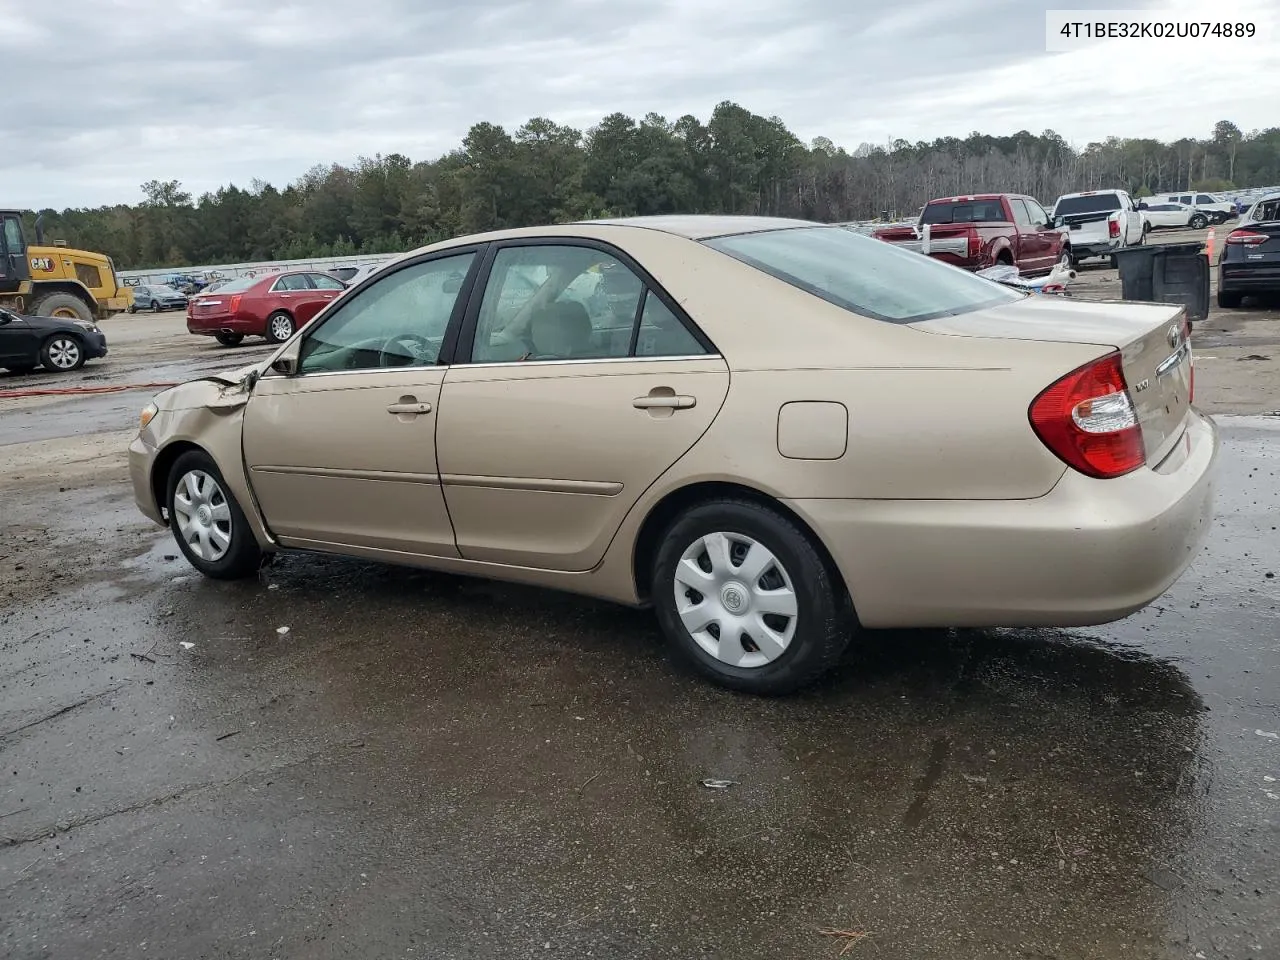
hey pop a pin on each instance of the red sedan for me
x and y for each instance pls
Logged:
(271, 306)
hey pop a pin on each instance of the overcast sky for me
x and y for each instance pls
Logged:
(112, 93)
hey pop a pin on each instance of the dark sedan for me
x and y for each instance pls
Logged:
(52, 342)
(1250, 263)
(157, 298)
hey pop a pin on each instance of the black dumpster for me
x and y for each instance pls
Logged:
(1166, 273)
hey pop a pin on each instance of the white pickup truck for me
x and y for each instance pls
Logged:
(1099, 222)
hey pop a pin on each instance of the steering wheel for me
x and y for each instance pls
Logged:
(419, 346)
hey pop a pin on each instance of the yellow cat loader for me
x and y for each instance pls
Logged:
(55, 281)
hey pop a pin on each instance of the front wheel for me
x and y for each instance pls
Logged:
(747, 598)
(155, 306)
(1199, 222)
(62, 352)
(279, 327)
(229, 339)
(208, 524)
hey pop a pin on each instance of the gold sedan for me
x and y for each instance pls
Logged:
(775, 432)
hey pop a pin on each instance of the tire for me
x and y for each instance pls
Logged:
(279, 327)
(1198, 222)
(229, 339)
(803, 646)
(62, 305)
(133, 308)
(199, 504)
(62, 353)
(155, 306)
(1229, 299)
(1066, 260)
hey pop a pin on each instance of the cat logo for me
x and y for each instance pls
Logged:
(42, 263)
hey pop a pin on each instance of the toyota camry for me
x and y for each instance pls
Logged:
(776, 433)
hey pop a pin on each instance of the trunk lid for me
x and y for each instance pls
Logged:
(1151, 338)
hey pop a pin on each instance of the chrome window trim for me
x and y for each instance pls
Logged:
(504, 363)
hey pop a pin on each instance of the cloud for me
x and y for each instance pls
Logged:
(214, 93)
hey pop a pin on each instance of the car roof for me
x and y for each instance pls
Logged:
(690, 227)
(705, 226)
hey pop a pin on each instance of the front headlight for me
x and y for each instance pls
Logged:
(85, 324)
(147, 415)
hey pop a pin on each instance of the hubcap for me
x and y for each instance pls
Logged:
(64, 353)
(280, 328)
(736, 599)
(203, 514)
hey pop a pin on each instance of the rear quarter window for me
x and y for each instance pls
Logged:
(863, 275)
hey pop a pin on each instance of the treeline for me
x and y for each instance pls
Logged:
(737, 162)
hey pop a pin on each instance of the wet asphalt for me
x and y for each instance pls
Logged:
(430, 766)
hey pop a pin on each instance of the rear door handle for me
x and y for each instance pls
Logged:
(676, 402)
(409, 407)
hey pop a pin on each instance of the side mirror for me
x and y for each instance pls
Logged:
(1142, 206)
(285, 364)
(5, 317)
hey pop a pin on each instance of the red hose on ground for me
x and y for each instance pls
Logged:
(74, 391)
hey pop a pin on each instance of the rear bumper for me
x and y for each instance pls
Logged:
(1093, 248)
(225, 323)
(1247, 277)
(1090, 551)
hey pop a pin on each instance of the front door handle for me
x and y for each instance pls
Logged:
(661, 401)
(408, 407)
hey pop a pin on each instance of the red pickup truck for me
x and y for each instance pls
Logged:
(984, 230)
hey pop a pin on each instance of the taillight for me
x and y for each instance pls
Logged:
(975, 244)
(1248, 238)
(1113, 226)
(1088, 420)
(235, 302)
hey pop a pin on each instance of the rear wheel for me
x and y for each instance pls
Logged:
(208, 524)
(229, 339)
(1229, 299)
(279, 327)
(61, 352)
(745, 596)
(64, 305)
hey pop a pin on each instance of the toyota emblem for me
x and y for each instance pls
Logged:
(1174, 336)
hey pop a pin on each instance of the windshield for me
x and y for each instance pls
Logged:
(964, 211)
(1094, 203)
(864, 275)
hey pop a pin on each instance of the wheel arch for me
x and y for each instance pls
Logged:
(44, 288)
(672, 504)
(162, 466)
